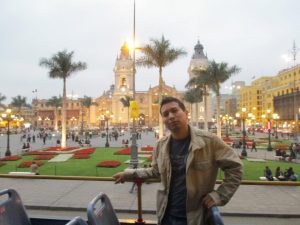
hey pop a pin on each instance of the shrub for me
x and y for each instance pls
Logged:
(29, 163)
(11, 158)
(2, 163)
(81, 156)
(281, 147)
(150, 158)
(43, 157)
(60, 149)
(108, 164)
(125, 151)
(147, 148)
(85, 151)
(38, 153)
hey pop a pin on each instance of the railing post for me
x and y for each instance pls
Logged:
(139, 195)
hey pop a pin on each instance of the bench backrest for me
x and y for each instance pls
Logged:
(101, 212)
(77, 221)
(12, 211)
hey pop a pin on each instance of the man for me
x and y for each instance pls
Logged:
(187, 163)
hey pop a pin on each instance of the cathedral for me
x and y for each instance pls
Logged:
(148, 100)
(109, 106)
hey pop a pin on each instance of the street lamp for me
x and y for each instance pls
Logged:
(106, 117)
(8, 116)
(276, 117)
(269, 131)
(244, 151)
(73, 119)
(226, 119)
(134, 155)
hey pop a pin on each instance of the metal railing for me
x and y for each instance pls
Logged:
(139, 184)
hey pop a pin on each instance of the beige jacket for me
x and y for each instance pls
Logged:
(207, 153)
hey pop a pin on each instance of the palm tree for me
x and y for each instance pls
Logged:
(55, 102)
(126, 104)
(2, 98)
(199, 82)
(87, 102)
(192, 96)
(219, 73)
(19, 102)
(61, 66)
(159, 54)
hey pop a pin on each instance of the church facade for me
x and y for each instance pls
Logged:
(109, 105)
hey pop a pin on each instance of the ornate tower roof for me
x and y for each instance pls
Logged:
(199, 60)
(199, 54)
(125, 52)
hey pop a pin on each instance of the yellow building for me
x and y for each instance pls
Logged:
(258, 98)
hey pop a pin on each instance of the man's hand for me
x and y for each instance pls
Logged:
(119, 177)
(208, 201)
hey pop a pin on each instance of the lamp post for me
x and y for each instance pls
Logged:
(269, 131)
(73, 119)
(226, 119)
(106, 117)
(276, 117)
(134, 155)
(8, 116)
(244, 151)
(294, 53)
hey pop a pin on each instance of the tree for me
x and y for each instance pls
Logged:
(192, 96)
(219, 73)
(159, 54)
(19, 102)
(55, 102)
(87, 102)
(2, 98)
(61, 66)
(199, 82)
(126, 104)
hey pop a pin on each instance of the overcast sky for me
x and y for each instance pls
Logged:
(252, 34)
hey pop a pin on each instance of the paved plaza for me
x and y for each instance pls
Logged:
(69, 197)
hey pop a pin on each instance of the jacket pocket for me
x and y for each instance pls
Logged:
(202, 165)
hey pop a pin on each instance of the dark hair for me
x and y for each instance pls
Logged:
(167, 100)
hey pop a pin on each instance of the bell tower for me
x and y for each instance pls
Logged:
(123, 84)
(123, 72)
(199, 114)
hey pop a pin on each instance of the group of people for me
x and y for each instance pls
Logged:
(287, 175)
(292, 150)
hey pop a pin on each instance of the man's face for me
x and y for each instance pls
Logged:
(174, 117)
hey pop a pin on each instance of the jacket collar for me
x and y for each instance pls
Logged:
(196, 139)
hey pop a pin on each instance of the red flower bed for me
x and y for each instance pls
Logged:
(38, 153)
(150, 158)
(144, 153)
(85, 151)
(248, 143)
(108, 164)
(147, 148)
(81, 156)
(60, 149)
(226, 139)
(29, 163)
(125, 151)
(43, 157)
(11, 158)
(2, 163)
(281, 147)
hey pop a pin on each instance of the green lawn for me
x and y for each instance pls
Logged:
(87, 167)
